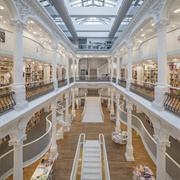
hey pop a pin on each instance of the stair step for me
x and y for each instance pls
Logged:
(91, 177)
(91, 170)
(91, 154)
(92, 165)
(91, 159)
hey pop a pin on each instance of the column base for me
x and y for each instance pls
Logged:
(19, 97)
(53, 152)
(160, 97)
(129, 153)
(73, 112)
(128, 84)
(55, 84)
(112, 112)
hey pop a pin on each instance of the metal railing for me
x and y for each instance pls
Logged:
(172, 103)
(146, 91)
(114, 80)
(80, 144)
(7, 102)
(93, 78)
(39, 90)
(62, 83)
(103, 147)
(122, 82)
(71, 79)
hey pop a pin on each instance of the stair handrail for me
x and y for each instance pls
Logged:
(82, 115)
(100, 106)
(106, 166)
(74, 170)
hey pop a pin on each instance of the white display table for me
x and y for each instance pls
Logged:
(44, 169)
(120, 137)
(142, 172)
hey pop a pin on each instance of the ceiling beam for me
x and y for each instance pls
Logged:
(121, 14)
(63, 12)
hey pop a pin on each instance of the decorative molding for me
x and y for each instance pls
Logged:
(18, 25)
(156, 9)
(161, 25)
(23, 8)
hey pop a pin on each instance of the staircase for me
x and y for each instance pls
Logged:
(92, 110)
(91, 161)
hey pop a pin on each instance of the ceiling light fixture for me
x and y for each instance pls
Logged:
(176, 10)
(142, 35)
(1, 7)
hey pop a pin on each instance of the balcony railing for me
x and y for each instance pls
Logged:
(62, 83)
(122, 82)
(39, 90)
(7, 102)
(114, 80)
(146, 91)
(92, 78)
(172, 103)
(71, 79)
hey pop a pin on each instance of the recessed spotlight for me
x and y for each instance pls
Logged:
(142, 35)
(141, 29)
(176, 10)
(34, 32)
(32, 22)
(152, 24)
(4, 21)
(1, 7)
(1, 17)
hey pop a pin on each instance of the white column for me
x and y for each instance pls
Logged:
(73, 112)
(161, 87)
(54, 67)
(112, 67)
(118, 125)
(67, 67)
(77, 67)
(18, 87)
(17, 157)
(129, 78)
(118, 67)
(112, 102)
(53, 149)
(129, 147)
(161, 160)
(74, 76)
(67, 105)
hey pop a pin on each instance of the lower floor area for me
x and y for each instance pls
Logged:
(118, 166)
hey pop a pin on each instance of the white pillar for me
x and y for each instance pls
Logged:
(118, 125)
(129, 147)
(17, 157)
(67, 105)
(54, 67)
(67, 67)
(73, 112)
(74, 76)
(161, 87)
(112, 67)
(18, 87)
(112, 102)
(118, 67)
(129, 78)
(53, 149)
(77, 67)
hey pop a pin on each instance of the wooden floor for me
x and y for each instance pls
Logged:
(120, 169)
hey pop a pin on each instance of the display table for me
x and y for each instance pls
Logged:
(44, 169)
(142, 172)
(120, 137)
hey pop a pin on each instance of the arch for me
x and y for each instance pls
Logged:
(166, 9)
(12, 9)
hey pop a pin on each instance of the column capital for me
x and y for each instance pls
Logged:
(117, 95)
(17, 142)
(161, 25)
(54, 47)
(66, 95)
(129, 104)
(18, 25)
(53, 106)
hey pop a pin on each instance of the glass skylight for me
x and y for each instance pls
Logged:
(93, 3)
(92, 21)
